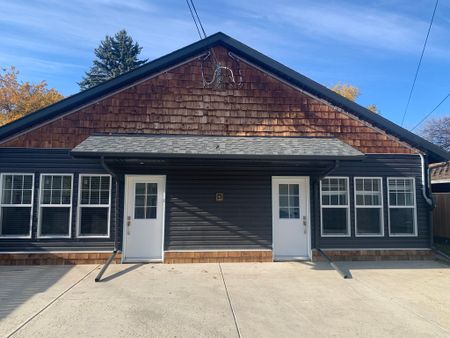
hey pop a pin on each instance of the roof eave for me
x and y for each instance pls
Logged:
(136, 155)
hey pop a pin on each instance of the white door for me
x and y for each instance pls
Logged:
(291, 229)
(144, 218)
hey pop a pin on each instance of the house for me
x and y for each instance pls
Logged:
(440, 186)
(214, 152)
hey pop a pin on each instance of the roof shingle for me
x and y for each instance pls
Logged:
(213, 146)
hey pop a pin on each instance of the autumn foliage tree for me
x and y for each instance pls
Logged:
(19, 98)
(352, 93)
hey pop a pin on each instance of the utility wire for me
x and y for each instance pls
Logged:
(198, 18)
(193, 18)
(419, 64)
(431, 112)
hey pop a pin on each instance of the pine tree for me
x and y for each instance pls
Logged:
(115, 55)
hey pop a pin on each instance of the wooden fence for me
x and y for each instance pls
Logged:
(441, 215)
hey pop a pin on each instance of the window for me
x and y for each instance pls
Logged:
(146, 196)
(55, 205)
(94, 202)
(369, 206)
(402, 207)
(16, 205)
(289, 201)
(335, 211)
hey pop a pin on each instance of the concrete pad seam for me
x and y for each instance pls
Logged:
(49, 304)
(393, 300)
(230, 303)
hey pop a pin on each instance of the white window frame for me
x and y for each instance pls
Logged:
(348, 234)
(40, 206)
(79, 206)
(381, 207)
(414, 207)
(17, 205)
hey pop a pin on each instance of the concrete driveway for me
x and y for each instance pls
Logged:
(227, 300)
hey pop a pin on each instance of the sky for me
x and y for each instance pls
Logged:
(374, 45)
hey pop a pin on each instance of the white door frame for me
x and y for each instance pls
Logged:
(125, 209)
(308, 212)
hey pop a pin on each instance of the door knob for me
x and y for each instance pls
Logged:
(304, 224)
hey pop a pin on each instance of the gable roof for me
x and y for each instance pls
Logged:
(292, 77)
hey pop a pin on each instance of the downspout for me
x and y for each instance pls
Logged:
(328, 259)
(426, 182)
(116, 220)
(316, 187)
(329, 171)
(425, 171)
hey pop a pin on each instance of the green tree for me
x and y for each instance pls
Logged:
(352, 93)
(115, 55)
(18, 98)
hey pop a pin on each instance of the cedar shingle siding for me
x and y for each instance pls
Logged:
(176, 102)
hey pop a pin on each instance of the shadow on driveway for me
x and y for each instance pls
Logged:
(121, 272)
(20, 283)
(347, 266)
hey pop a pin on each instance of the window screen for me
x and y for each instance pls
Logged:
(368, 206)
(55, 205)
(94, 205)
(16, 204)
(402, 206)
(335, 206)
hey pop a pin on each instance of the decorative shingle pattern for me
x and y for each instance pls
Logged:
(174, 145)
(175, 102)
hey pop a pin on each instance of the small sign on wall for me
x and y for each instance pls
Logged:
(219, 196)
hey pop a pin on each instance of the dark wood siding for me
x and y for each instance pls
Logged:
(441, 216)
(380, 166)
(196, 221)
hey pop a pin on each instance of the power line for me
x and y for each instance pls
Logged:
(431, 112)
(193, 18)
(198, 18)
(420, 62)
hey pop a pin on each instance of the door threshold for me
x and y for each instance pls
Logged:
(291, 258)
(141, 260)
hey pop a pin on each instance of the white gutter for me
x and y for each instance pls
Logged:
(444, 180)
